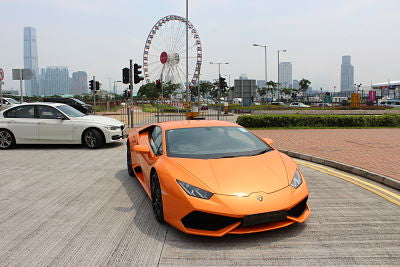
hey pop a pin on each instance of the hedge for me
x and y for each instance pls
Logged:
(295, 120)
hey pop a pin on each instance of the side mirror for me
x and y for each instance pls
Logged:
(141, 149)
(268, 141)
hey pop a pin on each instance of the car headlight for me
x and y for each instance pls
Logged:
(112, 128)
(297, 181)
(195, 191)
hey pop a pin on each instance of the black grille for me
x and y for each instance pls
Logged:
(206, 221)
(297, 210)
(267, 217)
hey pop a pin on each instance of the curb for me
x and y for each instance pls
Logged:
(395, 184)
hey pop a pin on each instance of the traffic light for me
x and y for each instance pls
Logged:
(129, 94)
(97, 86)
(125, 75)
(137, 71)
(222, 83)
(125, 93)
(158, 84)
(91, 84)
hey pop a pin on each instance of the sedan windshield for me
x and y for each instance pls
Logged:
(213, 142)
(70, 111)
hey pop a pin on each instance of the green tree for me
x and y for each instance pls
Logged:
(170, 88)
(262, 91)
(205, 87)
(149, 90)
(304, 84)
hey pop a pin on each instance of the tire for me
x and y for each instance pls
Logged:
(7, 139)
(93, 139)
(156, 198)
(129, 160)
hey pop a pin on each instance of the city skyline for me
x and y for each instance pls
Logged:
(103, 47)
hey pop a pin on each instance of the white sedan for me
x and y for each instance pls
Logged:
(298, 105)
(54, 123)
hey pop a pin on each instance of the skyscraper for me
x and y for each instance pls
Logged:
(346, 74)
(31, 61)
(79, 83)
(55, 81)
(296, 84)
(285, 74)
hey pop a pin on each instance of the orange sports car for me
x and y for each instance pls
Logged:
(214, 178)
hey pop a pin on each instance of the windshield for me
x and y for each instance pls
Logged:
(70, 111)
(213, 142)
(12, 101)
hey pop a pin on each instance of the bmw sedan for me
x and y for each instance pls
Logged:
(54, 123)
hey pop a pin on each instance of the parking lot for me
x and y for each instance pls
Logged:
(68, 205)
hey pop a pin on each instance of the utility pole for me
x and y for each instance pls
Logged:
(130, 110)
(187, 56)
(20, 86)
(219, 82)
(94, 94)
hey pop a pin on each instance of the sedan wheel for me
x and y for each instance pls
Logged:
(93, 138)
(6, 139)
(156, 198)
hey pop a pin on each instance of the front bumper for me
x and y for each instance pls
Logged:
(223, 214)
(115, 135)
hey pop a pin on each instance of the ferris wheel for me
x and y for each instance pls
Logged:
(165, 52)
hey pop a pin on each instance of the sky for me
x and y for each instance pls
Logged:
(100, 36)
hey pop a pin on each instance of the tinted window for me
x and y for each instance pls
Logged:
(156, 140)
(213, 142)
(46, 112)
(70, 111)
(21, 112)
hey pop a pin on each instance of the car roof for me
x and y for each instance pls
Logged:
(193, 124)
(43, 103)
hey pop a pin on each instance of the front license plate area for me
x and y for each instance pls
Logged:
(261, 218)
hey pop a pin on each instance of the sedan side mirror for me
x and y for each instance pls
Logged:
(141, 149)
(268, 141)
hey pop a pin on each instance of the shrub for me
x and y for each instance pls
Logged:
(294, 120)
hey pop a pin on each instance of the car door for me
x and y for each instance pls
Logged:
(156, 149)
(53, 125)
(23, 123)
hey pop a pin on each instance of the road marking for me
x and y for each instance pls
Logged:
(354, 180)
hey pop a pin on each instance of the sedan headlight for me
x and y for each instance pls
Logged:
(194, 191)
(297, 181)
(112, 128)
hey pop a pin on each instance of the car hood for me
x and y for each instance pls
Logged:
(239, 176)
(98, 119)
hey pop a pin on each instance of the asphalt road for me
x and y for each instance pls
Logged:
(67, 205)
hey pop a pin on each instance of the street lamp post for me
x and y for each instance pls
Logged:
(219, 78)
(284, 50)
(265, 55)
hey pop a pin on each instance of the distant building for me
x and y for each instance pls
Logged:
(346, 75)
(79, 83)
(285, 74)
(55, 81)
(390, 89)
(296, 84)
(261, 84)
(243, 76)
(31, 61)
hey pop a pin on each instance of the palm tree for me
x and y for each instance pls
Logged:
(272, 86)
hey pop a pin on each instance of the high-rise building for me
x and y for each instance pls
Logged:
(346, 74)
(31, 61)
(79, 83)
(55, 81)
(296, 84)
(261, 84)
(285, 74)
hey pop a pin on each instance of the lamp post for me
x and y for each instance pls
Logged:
(219, 78)
(284, 50)
(265, 61)
(114, 88)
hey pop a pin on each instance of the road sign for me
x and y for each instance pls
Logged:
(22, 74)
(1, 74)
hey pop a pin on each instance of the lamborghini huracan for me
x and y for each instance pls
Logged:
(214, 178)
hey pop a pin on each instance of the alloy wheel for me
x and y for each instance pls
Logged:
(5, 139)
(90, 139)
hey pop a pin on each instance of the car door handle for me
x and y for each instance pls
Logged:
(12, 121)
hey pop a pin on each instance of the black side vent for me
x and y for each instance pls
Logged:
(297, 210)
(206, 221)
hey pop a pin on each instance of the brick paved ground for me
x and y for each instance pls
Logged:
(377, 150)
